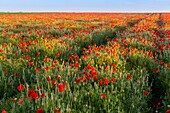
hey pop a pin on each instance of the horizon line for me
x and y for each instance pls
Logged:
(84, 11)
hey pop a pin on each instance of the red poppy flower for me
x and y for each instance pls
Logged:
(61, 87)
(37, 54)
(37, 69)
(20, 101)
(56, 110)
(168, 46)
(16, 74)
(95, 77)
(113, 79)
(145, 92)
(128, 76)
(3, 110)
(52, 66)
(40, 110)
(58, 54)
(42, 95)
(46, 68)
(93, 73)
(38, 87)
(83, 79)
(53, 82)
(106, 81)
(70, 65)
(156, 70)
(30, 63)
(5, 45)
(168, 111)
(55, 61)
(30, 91)
(104, 95)
(26, 97)
(58, 77)
(90, 67)
(87, 77)
(159, 103)
(76, 65)
(5, 72)
(20, 87)
(1, 50)
(71, 57)
(34, 96)
(161, 62)
(78, 80)
(48, 78)
(100, 82)
(47, 59)
(157, 51)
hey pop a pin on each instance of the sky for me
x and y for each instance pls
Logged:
(85, 6)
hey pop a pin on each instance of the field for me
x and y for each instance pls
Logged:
(85, 63)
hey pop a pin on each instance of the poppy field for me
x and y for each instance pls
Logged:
(85, 63)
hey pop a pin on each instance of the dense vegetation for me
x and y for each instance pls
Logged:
(84, 62)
